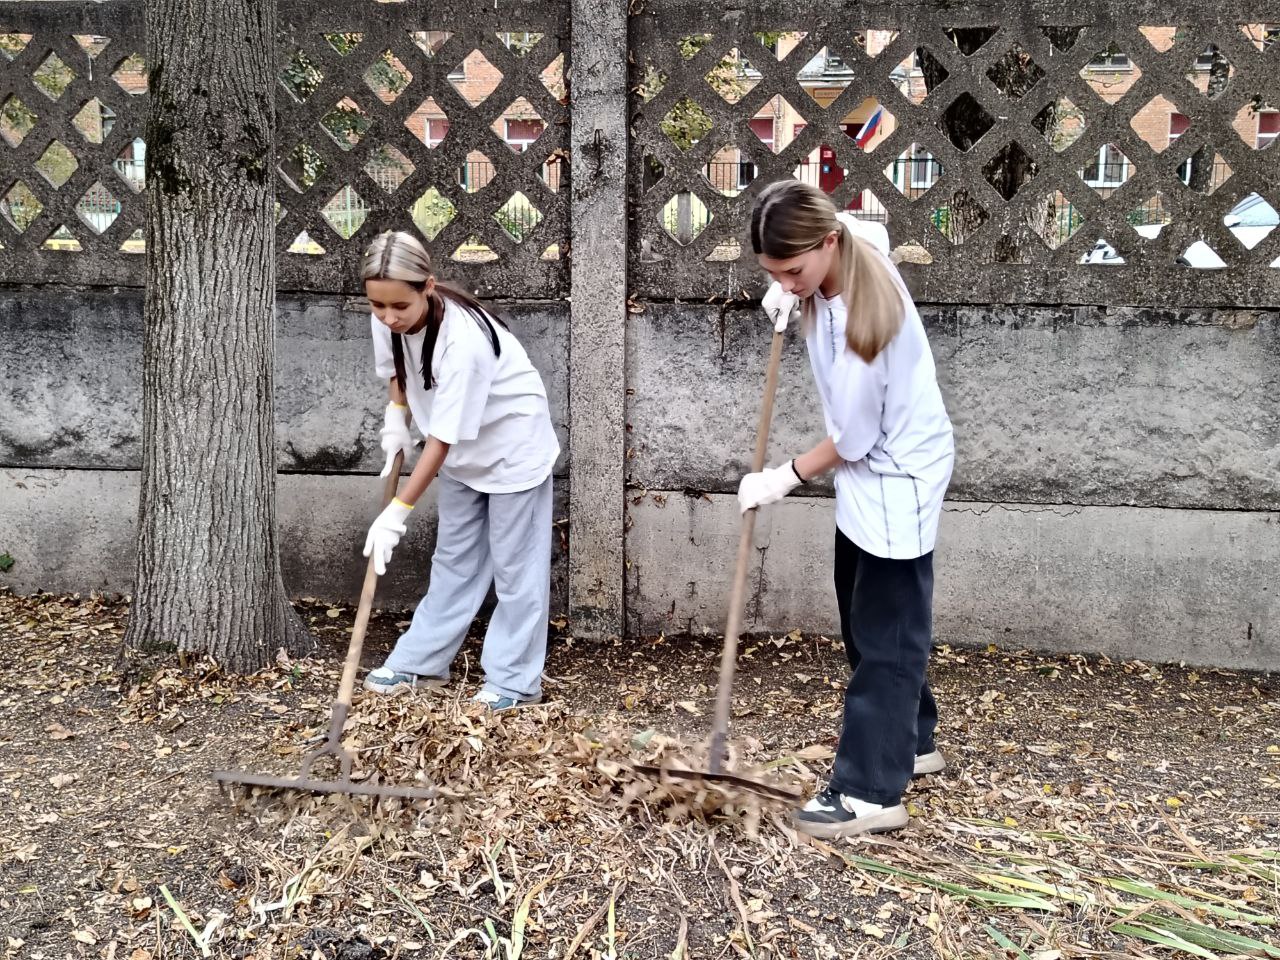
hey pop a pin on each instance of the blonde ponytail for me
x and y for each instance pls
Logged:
(791, 218)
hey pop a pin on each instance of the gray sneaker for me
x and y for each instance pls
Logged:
(384, 680)
(497, 703)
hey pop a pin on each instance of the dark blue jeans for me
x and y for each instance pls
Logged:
(886, 618)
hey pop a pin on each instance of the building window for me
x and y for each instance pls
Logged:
(1110, 59)
(762, 127)
(1268, 128)
(1109, 169)
(923, 168)
(521, 133)
(435, 130)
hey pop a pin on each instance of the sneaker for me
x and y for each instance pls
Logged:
(387, 681)
(931, 762)
(831, 815)
(496, 702)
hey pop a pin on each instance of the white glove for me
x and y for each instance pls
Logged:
(768, 486)
(394, 436)
(385, 534)
(778, 306)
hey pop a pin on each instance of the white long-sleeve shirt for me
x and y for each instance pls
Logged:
(887, 421)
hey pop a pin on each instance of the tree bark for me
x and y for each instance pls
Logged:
(208, 573)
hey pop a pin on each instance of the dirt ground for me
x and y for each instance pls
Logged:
(1089, 809)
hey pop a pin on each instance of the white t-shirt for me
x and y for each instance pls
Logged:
(492, 411)
(888, 423)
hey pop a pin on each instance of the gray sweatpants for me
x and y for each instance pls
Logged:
(483, 538)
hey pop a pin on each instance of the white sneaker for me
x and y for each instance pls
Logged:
(497, 703)
(926, 763)
(831, 815)
(384, 680)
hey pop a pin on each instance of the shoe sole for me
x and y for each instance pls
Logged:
(890, 818)
(928, 763)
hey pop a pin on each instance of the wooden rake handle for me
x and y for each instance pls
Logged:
(737, 596)
(352, 666)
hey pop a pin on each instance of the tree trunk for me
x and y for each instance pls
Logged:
(208, 572)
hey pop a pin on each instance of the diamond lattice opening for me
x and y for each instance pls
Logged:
(686, 123)
(966, 121)
(53, 77)
(652, 170)
(1257, 123)
(473, 250)
(62, 239)
(90, 44)
(1251, 220)
(873, 42)
(867, 125)
(726, 251)
(1264, 36)
(914, 171)
(729, 171)
(428, 123)
(969, 40)
(94, 121)
(131, 165)
(98, 208)
(476, 172)
(919, 74)
(551, 253)
(57, 164)
(16, 121)
(12, 44)
(552, 172)
(777, 124)
(1061, 123)
(131, 75)
(302, 167)
(1159, 123)
(552, 77)
(1204, 171)
(1161, 38)
(475, 78)
(520, 126)
(1200, 256)
(301, 76)
(1102, 254)
(432, 212)
(865, 205)
(1211, 72)
(1062, 39)
(780, 43)
(1010, 169)
(344, 44)
(1015, 73)
(346, 123)
(684, 217)
(733, 77)
(520, 42)
(652, 84)
(430, 42)
(518, 217)
(388, 168)
(1107, 171)
(1150, 216)
(304, 244)
(1110, 73)
(137, 243)
(690, 46)
(387, 77)
(1055, 220)
(346, 212)
(825, 77)
(959, 218)
(20, 207)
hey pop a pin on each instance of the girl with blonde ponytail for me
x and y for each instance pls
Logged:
(468, 385)
(889, 442)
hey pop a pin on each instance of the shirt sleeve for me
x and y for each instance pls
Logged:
(462, 388)
(384, 361)
(857, 405)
